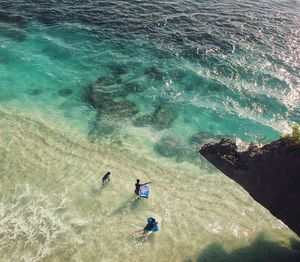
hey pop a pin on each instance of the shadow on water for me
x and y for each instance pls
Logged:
(144, 237)
(260, 250)
(134, 203)
(96, 191)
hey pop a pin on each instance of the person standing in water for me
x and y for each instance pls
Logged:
(106, 178)
(138, 186)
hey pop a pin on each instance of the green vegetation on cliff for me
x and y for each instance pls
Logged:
(294, 136)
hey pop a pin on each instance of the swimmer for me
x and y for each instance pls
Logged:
(150, 228)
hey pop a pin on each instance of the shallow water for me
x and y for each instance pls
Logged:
(54, 208)
(137, 88)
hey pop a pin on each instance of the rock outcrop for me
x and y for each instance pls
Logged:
(271, 174)
(101, 96)
(162, 118)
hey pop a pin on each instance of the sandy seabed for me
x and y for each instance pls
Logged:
(54, 208)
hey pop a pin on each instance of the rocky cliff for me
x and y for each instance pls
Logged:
(271, 174)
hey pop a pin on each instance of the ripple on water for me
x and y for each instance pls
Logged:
(147, 84)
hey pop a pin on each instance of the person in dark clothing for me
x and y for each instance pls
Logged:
(106, 178)
(150, 228)
(138, 186)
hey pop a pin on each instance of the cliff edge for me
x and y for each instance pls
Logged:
(271, 174)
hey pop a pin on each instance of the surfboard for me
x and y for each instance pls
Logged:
(144, 191)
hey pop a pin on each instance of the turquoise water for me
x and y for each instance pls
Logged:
(146, 83)
(51, 71)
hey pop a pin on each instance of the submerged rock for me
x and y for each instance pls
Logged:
(270, 174)
(35, 92)
(120, 108)
(118, 69)
(217, 87)
(65, 92)
(104, 101)
(171, 147)
(116, 108)
(99, 92)
(103, 87)
(133, 87)
(168, 147)
(154, 73)
(142, 121)
(163, 117)
(98, 98)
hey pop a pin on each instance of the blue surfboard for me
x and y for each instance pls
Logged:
(144, 191)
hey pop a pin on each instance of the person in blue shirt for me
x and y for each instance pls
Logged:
(150, 228)
(151, 225)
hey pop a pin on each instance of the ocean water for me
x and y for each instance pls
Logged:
(136, 87)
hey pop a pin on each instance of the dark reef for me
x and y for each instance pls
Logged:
(271, 174)
(161, 118)
(100, 96)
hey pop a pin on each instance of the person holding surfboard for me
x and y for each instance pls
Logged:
(138, 186)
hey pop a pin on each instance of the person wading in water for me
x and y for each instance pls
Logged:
(138, 186)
